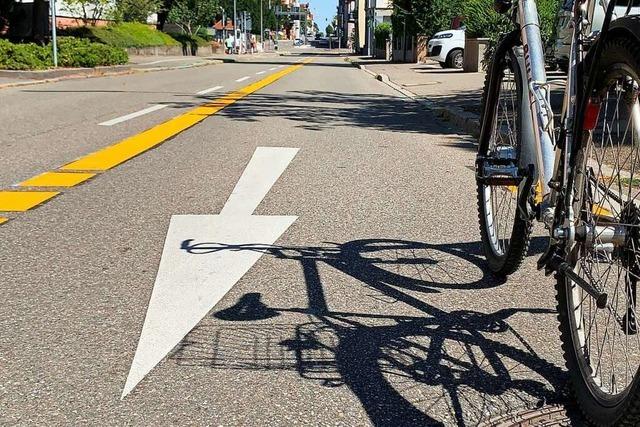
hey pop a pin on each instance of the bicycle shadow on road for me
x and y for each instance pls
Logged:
(439, 367)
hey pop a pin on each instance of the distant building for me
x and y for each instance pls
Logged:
(378, 11)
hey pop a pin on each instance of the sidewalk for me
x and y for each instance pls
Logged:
(137, 64)
(453, 94)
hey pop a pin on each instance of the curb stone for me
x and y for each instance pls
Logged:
(105, 73)
(469, 122)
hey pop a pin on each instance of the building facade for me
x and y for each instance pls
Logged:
(378, 11)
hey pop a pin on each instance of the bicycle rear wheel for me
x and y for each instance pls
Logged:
(504, 234)
(602, 346)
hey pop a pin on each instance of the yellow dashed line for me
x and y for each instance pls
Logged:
(57, 179)
(20, 201)
(126, 149)
(111, 156)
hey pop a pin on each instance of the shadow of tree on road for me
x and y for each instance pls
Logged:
(324, 110)
(438, 367)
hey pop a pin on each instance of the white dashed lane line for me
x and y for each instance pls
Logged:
(133, 115)
(211, 89)
(241, 79)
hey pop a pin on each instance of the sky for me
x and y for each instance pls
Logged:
(323, 9)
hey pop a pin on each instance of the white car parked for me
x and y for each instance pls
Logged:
(447, 47)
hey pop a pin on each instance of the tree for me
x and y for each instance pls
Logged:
(90, 11)
(135, 10)
(329, 30)
(192, 15)
(163, 13)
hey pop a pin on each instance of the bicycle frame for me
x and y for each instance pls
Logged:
(552, 158)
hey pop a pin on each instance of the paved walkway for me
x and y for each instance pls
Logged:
(430, 81)
(453, 93)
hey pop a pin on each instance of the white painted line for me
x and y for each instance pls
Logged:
(260, 72)
(241, 79)
(133, 115)
(280, 66)
(211, 89)
(203, 259)
(273, 68)
(263, 170)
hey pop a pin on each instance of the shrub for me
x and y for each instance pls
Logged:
(482, 21)
(72, 52)
(27, 56)
(382, 34)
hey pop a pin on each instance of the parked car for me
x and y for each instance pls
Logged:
(564, 25)
(447, 47)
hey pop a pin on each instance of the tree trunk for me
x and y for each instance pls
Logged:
(163, 13)
(40, 20)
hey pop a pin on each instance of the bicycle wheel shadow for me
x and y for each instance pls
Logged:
(440, 367)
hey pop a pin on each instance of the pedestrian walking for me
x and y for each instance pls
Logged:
(254, 43)
(229, 44)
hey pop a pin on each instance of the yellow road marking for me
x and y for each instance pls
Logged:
(20, 201)
(57, 179)
(601, 211)
(538, 195)
(3, 220)
(128, 148)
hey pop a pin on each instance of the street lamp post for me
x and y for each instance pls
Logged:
(224, 25)
(235, 26)
(54, 35)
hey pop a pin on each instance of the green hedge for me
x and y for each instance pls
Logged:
(72, 52)
(382, 33)
(482, 21)
(127, 34)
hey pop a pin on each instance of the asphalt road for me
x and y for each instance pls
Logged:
(373, 308)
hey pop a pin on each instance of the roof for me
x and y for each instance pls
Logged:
(218, 25)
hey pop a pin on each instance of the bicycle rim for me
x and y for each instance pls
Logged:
(606, 342)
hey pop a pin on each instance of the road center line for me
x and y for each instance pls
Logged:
(241, 79)
(133, 146)
(133, 115)
(128, 148)
(211, 89)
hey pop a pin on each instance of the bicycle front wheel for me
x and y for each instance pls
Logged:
(602, 346)
(505, 235)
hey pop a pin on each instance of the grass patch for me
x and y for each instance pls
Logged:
(127, 34)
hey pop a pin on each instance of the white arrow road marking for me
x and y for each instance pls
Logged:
(133, 115)
(189, 285)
